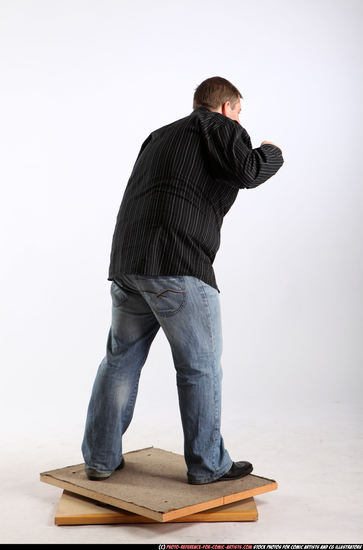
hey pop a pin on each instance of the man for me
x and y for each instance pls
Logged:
(185, 179)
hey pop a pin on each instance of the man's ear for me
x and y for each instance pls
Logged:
(224, 109)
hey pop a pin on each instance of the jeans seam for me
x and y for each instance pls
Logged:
(132, 399)
(215, 430)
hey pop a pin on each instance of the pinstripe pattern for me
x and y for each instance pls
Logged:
(185, 179)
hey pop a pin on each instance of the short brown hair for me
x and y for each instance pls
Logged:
(215, 91)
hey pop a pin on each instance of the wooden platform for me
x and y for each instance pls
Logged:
(153, 484)
(77, 510)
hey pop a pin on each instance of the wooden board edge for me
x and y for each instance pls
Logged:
(94, 519)
(102, 498)
(106, 516)
(251, 493)
(194, 518)
(195, 508)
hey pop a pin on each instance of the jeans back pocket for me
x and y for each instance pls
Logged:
(165, 294)
(117, 294)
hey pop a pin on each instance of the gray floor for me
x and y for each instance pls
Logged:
(314, 453)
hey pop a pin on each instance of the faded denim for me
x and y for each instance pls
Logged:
(188, 310)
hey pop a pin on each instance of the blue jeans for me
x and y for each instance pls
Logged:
(188, 310)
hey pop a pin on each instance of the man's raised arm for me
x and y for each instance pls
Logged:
(232, 156)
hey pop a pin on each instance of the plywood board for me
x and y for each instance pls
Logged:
(154, 484)
(78, 510)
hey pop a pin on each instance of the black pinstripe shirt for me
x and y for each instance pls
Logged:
(185, 179)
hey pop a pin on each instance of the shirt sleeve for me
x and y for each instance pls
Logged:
(143, 146)
(234, 160)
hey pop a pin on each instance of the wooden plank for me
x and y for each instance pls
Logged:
(77, 510)
(153, 484)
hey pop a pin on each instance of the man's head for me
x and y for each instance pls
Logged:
(219, 95)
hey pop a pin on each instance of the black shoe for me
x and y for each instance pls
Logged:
(237, 470)
(120, 466)
(95, 476)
